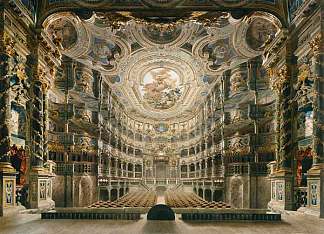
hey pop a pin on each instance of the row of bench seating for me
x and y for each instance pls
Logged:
(181, 199)
(139, 198)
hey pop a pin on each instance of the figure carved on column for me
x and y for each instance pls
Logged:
(238, 82)
(304, 85)
(84, 82)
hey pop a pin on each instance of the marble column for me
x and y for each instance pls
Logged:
(109, 165)
(40, 186)
(188, 170)
(282, 178)
(206, 163)
(254, 66)
(7, 172)
(213, 166)
(223, 95)
(99, 95)
(315, 174)
(142, 168)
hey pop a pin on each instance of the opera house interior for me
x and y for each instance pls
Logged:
(161, 116)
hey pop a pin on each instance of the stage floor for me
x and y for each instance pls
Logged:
(32, 224)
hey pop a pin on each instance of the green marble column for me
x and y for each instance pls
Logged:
(40, 178)
(318, 100)
(7, 172)
(282, 176)
(37, 124)
(4, 108)
(315, 180)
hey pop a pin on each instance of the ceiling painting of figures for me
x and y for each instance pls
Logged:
(161, 88)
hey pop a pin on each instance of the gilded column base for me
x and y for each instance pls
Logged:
(5, 167)
(314, 186)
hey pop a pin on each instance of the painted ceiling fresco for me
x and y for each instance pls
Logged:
(162, 71)
(161, 88)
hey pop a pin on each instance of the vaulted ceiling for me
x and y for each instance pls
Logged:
(162, 71)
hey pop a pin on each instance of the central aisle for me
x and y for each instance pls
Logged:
(160, 200)
(160, 190)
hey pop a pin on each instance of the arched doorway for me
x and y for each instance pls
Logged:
(103, 195)
(200, 193)
(114, 195)
(121, 192)
(208, 195)
(218, 195)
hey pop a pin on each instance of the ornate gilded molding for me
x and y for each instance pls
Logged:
(9, 45)
(278, 78)
(315, 43)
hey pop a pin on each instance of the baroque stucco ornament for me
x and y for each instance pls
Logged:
(197, 49)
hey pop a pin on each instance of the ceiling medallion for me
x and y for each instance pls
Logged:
(161, 88)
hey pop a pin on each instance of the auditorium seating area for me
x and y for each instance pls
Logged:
(141, 198)
(181, 199)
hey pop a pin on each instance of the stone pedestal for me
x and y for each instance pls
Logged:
(40, 189)
(7, 189)
(281, 191)
(313, 191)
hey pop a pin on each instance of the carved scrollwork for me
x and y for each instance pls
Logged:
(278, 79)
(315, 43)
(9, 45)
(238, 145)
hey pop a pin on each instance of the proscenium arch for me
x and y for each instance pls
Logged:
(85, 9)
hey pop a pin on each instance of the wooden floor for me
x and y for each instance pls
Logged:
(31, 223)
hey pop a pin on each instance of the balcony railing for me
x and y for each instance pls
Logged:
(76, 168)
(246, 169)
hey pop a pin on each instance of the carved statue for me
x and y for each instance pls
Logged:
(304, 85)
(236, 115)
(84, 83)
(238, 82)
(85, 115)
